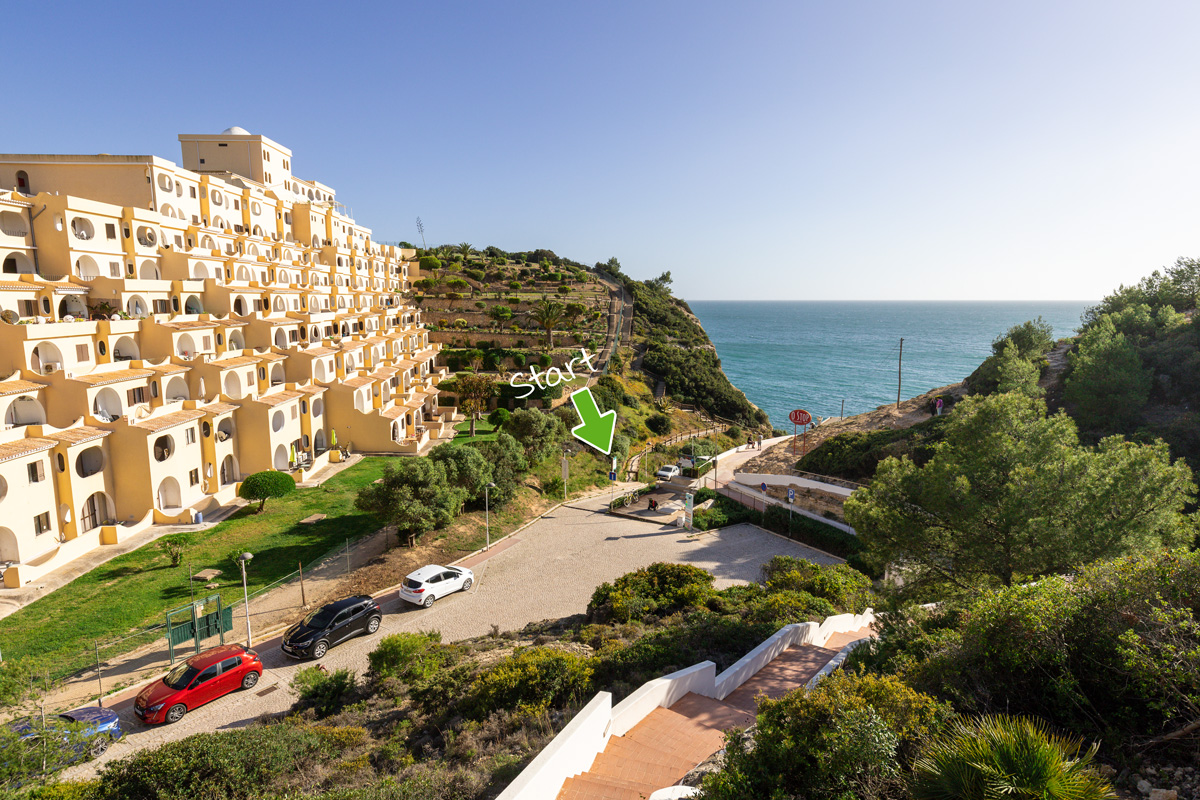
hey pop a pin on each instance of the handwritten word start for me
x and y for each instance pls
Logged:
(553, 376)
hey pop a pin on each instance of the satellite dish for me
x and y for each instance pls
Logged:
(10, 316)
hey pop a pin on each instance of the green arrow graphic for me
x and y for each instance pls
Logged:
(594, 428)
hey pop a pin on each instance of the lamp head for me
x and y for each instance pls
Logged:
(245, 557)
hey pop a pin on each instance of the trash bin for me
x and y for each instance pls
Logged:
(198, 518)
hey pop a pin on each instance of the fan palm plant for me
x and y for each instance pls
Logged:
(1007, 757)
(547, 313)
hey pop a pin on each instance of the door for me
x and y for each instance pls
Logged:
(341, 627)
(452, 581)
(230, 678)
(436, 585)
(204, 688)
(358, 622)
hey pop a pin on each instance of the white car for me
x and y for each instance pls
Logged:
(432, 582)
(667, 472)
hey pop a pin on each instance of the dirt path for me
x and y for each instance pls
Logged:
(779, 460)
(1052, 381)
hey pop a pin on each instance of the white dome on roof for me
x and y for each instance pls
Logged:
(235, 131)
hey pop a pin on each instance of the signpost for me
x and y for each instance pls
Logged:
(791, 499)
(687, 509)
(566, 473)
(800, 417)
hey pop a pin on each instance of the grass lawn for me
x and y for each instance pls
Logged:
(484, 431)
(135, 589)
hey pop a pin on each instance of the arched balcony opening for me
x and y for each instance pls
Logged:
(97, 509)
(239, 306)
(24, 411)
(319, 372)
(126, 349)
(18, 264)
(46, 358)
(177, 390)
(107, 405)
(167, 495)
(136, 306)
(225, 429)
(281, 458)
(229, 470)
(277, 421)
(200, 271)
(148, 271)
(72, 305)
(87, 268)
(236, 341)
(277, 374)
(319, 441)
(192, 305)
(89, 462)
(233, 386)
(186, 346)
(9, 549)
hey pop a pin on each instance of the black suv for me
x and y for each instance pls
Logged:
(331, 624)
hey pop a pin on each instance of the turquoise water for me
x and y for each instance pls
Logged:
(813, 355)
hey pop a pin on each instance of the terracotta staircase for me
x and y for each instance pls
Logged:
(670, 742)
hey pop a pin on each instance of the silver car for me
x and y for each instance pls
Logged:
(429, 583)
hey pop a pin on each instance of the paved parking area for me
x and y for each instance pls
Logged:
(549, 570)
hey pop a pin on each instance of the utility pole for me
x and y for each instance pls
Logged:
(899, 372)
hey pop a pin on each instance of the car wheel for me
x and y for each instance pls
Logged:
(99, 746)
(467, 584)
(373, 624)
(428, 600)
(249, 679)
(176, 712)
(320, 649)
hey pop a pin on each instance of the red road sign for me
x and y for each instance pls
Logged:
(800, 417)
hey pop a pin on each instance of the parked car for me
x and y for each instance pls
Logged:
(667, 472)
(429, 583)
(203, 677)
(98, 729)
(330, 624)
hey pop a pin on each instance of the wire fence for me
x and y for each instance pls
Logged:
(117, 662)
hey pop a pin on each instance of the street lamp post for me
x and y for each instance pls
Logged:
(487, 514)
(244, 559)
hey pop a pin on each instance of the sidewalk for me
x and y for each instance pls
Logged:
(270, 614)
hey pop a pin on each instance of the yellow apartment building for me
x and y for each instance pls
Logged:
(192, 323)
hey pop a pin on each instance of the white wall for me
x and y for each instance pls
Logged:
(571, 752)
(748, 665)
(662, 693)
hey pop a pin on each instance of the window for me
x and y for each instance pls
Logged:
(110, 230)
(154, 388)
(190, 436)
(213, 671)
(114, 269)
(41, 523)
(295, 412)
(101, 347)
(136, 395)
(162, 307)
(236, 205)
(62, 463)
(192, 189)
(207, 341)
(82, 353)
(231, 664)
(28, 308)
(37, 472)
(193, 477)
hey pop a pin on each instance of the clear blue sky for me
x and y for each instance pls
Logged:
(781, 150)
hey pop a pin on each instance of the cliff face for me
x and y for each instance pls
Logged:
(677, 349)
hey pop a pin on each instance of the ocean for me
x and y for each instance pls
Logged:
(813, 355)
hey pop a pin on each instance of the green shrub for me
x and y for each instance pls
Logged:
(657, 589)
(262, 486)
(1001, 756)
(237, 764)
(429, 263)
(69, 790)
(784, 607)
(531, 680)
(850, 736)
(846, 588)
(659, 424)
(408, 656)
(498, 417)
(324, 692)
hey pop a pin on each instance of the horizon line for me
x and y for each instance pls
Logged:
(889, 300)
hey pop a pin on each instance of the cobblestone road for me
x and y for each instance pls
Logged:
(549, 570)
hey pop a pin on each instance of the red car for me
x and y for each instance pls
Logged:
(192, 683)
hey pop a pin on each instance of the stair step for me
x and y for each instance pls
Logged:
(712, 713)
(644, 771)
(598, 787)
(677, 735)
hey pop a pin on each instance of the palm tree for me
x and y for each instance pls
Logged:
(465, 249)
(547, 313)
(1002, 756)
